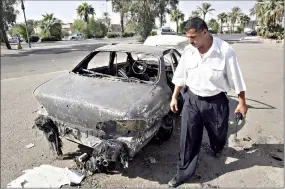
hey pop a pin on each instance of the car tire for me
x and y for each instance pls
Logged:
(165, 131)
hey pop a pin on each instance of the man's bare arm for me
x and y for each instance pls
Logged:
(176, 91)
(241, 97)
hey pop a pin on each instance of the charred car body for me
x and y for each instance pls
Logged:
(114, 101)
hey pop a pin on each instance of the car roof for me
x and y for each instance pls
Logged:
(134, 48)
(165, 40)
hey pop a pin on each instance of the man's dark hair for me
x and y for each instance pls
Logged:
(196, 23)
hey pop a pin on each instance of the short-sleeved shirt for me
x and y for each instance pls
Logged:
(216, 71)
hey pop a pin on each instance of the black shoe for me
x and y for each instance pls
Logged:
(216, 154)
(174, 182)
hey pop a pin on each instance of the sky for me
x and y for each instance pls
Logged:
(66, 10)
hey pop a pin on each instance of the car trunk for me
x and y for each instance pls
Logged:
(85, 101)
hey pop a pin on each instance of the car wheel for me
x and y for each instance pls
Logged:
(165, 131)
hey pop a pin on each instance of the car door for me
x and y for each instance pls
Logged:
(175, 61)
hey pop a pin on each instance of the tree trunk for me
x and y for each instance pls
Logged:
(221, 26)
(161, 20)
(122, 21)
(5, 39)
(177, 27)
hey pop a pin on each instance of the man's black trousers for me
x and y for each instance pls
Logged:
(198, 112)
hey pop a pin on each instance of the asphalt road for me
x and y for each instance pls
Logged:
(41, 61)
(230, 37)
(73, 42)
(21, 73)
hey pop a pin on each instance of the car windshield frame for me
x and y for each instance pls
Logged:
(82, 66)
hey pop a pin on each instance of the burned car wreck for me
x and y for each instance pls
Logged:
(115, 101)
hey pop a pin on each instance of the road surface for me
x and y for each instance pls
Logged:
(239, 166)
(228, 37)
(40, 61)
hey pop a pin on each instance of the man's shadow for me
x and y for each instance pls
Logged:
(209, 167)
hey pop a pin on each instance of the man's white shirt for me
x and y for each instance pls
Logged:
(217, 71)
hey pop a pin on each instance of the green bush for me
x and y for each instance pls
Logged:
(33, 39)
(112, 35)
(240, 29)
(127, 34)
(140, 39)
(51, 38)
(99, 35)
(153, 33)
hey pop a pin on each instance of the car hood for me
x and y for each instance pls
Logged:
(85, 99)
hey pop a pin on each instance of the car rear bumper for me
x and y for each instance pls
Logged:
(93, 138)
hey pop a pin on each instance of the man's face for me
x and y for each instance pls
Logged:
(196, 39)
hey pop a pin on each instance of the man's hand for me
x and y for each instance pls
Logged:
(174, 105)
(242, 108)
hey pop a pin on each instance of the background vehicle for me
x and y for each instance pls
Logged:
(250, 32)
(169, 41)
(76, 36)
(165, 31)
(14, 40)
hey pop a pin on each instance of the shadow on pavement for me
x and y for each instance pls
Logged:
(263, 105)
(54, 51)
(209, 167)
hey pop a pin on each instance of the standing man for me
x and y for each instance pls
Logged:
(208, 68)
(19, 46)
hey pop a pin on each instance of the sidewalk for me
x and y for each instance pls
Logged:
(261, 39)
(5, 51)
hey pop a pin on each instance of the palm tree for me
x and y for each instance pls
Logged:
(122, 7)
(176, 16)
(84, 10)
(204, 9)
(107, 19)
(274, 12)
(268, 13)
(256, 9)
(223, 18)
(244, 19)
(50, 25)
(194, 14)
(234, 15)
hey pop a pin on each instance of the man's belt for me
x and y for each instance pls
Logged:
(217, 96)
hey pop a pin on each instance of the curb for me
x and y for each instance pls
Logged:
(5, 51)
(17, 51)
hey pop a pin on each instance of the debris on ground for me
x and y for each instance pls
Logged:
(152, 160)
(46, 176)
(275, 157)
(208, 186)
(30, 145)
(279, 150)
(246, 139)
(197, 177)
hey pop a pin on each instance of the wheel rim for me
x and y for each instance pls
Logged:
(167, 122)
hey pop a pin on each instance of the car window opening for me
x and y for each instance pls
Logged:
(125, 67)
